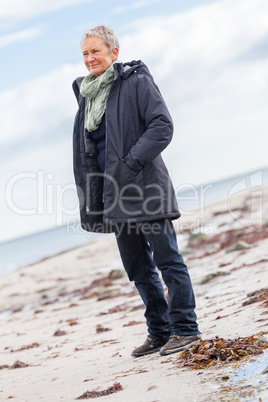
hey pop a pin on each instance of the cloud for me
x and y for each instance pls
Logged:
(15, 10)
(216, 95)
(139, 4)
(37, 178)
(133, 6)
(119, 10)
(20, 36)
(39, 107)
(36, 139)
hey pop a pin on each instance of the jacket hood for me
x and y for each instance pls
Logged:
(134, 66)
(76, 86)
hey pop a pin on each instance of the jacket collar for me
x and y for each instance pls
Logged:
(121, 70)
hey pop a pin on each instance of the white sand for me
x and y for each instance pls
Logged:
(64, 367)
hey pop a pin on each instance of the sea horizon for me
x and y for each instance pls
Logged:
(46, 243)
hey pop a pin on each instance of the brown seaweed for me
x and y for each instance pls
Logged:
(96, 394)
(59, 333)
(100, 328)
(18, 364)
(257, 296)
(131, 323)
(210, 352)
(26, 347)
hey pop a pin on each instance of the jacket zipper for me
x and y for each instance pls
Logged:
(104, 178)
(85, 190)
(106, 151)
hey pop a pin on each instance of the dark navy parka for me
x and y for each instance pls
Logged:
(136, 185)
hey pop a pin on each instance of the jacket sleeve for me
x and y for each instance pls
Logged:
(158, 124)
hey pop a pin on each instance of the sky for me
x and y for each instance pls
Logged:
(209, 59)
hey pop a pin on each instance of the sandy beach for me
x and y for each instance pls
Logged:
(70, 322)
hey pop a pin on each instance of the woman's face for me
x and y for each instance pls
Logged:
(97, 56)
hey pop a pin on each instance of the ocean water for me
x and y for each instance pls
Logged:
(35, 247)
(32, 248)
(196, 197)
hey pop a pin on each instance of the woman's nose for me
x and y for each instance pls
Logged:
(90, 58)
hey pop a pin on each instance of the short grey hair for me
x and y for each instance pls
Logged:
(106, 34)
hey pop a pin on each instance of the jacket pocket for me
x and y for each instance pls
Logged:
(131, 182)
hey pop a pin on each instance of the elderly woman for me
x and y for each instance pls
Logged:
(121, 128)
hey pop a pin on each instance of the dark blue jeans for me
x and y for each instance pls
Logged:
(142, 247)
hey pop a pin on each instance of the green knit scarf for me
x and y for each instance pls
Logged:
(96, 89)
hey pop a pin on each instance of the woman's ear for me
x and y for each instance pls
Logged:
(115, 53)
